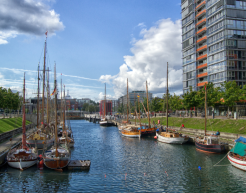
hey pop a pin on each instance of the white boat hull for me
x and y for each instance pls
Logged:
(132, 136)
(173, 140)
(22, 164)
(240, 164)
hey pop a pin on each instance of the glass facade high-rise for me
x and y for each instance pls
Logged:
(213, 42)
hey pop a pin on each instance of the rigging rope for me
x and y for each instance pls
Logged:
(221, 160)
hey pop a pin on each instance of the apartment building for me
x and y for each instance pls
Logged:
(213, 42)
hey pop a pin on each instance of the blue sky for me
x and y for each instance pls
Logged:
(92, 42)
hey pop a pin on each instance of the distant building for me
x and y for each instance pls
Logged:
(107, 109)
(133, 97)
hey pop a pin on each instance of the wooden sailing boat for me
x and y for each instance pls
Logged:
(129, 130)
(104, 121)
(209, 143)
(57, 157)
(22, 157)
(147, 131)
(43, 137)
(168, 135)
(65, 139)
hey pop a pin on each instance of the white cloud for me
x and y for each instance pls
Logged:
(31, 17)
(160, 44)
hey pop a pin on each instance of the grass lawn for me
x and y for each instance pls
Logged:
(10, 124)
(223, 125)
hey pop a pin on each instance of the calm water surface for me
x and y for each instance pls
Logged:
(120, 164)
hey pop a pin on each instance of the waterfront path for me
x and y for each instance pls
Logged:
(15, 140)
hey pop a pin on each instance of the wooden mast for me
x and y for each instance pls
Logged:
(38, 99)
(24, 118)
(104, 112)
(147, 102)
(55, 110)
(47, 107)
(139, 112)
(63, 128)
(205, 109)
(167, 98)
(44, 81)
(135, 108)
(127, 100)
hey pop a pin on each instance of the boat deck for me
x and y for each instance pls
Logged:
(79, 164)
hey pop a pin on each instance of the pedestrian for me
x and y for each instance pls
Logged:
(155, 114)
(217, 133)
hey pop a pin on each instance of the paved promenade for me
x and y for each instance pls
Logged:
(15, 140)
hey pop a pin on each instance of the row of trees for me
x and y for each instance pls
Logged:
(229, 93)
(91, 107)
(9, 100)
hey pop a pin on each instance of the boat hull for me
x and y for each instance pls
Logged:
(56, 163)
(240, 164)
(40, 143)
(148, 132)
(171, 140)
(104, 123)
(132, 134)
(213, 148)
(22, 164)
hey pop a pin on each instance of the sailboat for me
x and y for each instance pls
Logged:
(57, 157)
(147, 131)
(104, 121)
(209, 143)
(22, 157)
(129, 130)
(169, 135)
(237, 155)
(67, 139)
(43, 137)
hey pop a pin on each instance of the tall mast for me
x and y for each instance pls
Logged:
(167, 97)
(104, 110)
(44, 81)
(205, 109)
(38, 99)
(61, 102)
(147, 102)
(47, 107)
(24, 118)
(127, 99)
(135, 109)
(139, 112)
(63, 128)
(55, 110)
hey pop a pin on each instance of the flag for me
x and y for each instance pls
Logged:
(53, 91)
(205, 86)
(46, 33)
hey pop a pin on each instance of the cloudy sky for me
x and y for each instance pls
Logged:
(92, 42)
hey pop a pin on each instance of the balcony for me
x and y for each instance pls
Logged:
(201, 22)
(202, 57)
(201, 30)
(202, 39)
(202, 75)
(202, 66)
(202, 48)
(201, 4)
(203, 12)
(202, 83)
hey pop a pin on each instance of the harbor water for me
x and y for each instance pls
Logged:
(120, 164)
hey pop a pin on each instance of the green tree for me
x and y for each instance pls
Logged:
(231, 93)
(175, 102)
(156, 104)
